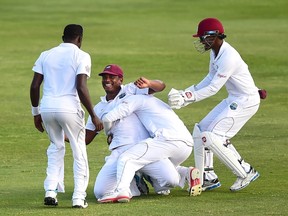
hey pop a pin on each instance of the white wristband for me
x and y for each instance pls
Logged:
(35, 111)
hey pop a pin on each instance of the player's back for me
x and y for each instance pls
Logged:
(60, 66)
(59, 70)
(159, 119)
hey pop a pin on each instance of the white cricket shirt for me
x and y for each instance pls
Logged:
(128, 130)
(60, 66)
(156, 116)
(228, 69)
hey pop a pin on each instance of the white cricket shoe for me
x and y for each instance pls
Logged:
(79, 203)
(194, 183)
(241, 183)
(211, 184)
(50, 198)
(164, 192)
(121, 197)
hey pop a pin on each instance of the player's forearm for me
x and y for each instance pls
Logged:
(35, 89)
(156, 86)
(84, 95)
(90, 135)
(34, 96)
(85, 100)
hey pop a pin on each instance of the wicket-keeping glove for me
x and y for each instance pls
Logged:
(180, 98)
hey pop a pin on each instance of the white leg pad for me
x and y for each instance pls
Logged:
(209, 158)
(224, 154)
(198, 151)
(246, 166)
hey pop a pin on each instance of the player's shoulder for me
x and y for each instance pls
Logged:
(83, 54)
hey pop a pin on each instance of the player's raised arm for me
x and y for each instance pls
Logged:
(153, 85)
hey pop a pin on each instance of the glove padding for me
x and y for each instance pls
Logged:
(180, 98)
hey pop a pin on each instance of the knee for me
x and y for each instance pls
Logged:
(170, 181)
(210, 138)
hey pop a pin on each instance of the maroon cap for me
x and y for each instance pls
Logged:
(112, 69)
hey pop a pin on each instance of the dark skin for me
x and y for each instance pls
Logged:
(112, 86)
(81, 85)
(214, 43)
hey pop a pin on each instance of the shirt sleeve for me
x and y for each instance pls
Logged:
(210, 85)
(84, 66)
(132, 89)
(37, 67)
(205, 82)
(125, 108)
(89, 124)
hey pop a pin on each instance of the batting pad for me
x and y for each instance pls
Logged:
(198, 151)
(224, 154)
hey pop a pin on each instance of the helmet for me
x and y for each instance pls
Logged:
(209, 26)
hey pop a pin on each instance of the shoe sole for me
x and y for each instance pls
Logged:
(80, 206)
(256, 176)
(112, 200)
(50, 201)
(212, 187)
(121, 199)
(195, 187)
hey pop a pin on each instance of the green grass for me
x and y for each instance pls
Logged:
(152, 39)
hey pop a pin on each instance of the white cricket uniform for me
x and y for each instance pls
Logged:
(170, 139)
(126, 133)
(243, 100)
(62, 113)
(231, 114)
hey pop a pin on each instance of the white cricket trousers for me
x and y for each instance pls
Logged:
(225, 121)
(230, 115)
(149, 151)
(163, 174)
(73, 126)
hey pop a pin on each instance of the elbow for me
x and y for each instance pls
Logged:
(213, 89)
(163, 86)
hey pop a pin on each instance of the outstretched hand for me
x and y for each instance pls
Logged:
(142, 82)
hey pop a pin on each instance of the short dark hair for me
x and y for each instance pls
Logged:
(72, 31)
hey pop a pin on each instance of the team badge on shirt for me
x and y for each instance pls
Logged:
(87, 68)
(233, 106)
(122, 95)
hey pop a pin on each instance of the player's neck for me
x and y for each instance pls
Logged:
(111, 96)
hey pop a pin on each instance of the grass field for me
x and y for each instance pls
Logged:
(153, 39)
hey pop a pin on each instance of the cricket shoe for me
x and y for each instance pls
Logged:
(211, 184)
(164, 192)
(194, 183)
(79, 203)
(241, 183)
(141, 184)
(50, 198)
(121, 197)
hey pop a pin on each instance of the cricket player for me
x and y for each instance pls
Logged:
(64, 71)
(169, 139)
(227, 68)
(126, 133)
